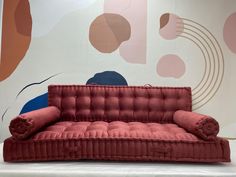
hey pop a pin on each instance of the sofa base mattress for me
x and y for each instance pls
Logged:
(116, 149)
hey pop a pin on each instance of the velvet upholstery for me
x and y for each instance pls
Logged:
(26, 124)
(116, 123)
(115, 129)
(111, 103)
(201, 125)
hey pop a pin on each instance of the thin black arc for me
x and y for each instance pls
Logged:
(5, 113)
(222, 76)
(36, 83)
(222, 57)
(211, 60)
(205, 50)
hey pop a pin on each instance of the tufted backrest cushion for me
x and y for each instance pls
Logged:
(124, 103)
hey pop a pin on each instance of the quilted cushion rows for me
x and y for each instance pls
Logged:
(115, 141)
(124, 103)
(115, 129)
(116, 123)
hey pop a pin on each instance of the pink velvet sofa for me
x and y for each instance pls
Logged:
(116, 123)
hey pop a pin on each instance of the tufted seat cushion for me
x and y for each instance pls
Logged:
(115, 140)
(115, 129)
(116, 123)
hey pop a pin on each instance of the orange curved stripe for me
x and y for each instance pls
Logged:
(16, 35)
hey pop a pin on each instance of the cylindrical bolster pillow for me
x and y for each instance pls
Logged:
(203, 126)
(28, 123)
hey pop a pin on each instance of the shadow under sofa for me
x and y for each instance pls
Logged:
(133, 123)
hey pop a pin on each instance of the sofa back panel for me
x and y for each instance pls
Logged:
(114, 103)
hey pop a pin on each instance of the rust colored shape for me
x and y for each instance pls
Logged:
(22, 11)
(15, 39)
(108, 31)
(164, 20)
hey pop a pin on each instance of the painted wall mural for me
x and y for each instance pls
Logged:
(135, 12)
(171, 27)
(108, 31)
(118, 42)
(42, 24)
(107, 78)
(16, 35)
(171, 66)
(229, 32)
(103, 78)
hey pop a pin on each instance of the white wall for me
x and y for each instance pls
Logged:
(60, 44)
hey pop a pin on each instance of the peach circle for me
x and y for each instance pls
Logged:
(171, 66)
(230, 32)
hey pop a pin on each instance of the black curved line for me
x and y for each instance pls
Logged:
(36, 83)
(4, 113)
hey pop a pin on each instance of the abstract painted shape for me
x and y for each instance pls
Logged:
(213, 66)
(23, 24)
(36, 103)
(230, 32)
(35, 83)
(133, 50)
(171, 66)
(108, 31)
(16, 35)
(107, 78)
(170, 26)
(56, 10)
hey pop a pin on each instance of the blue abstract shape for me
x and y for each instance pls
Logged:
(107, 78)
(38, 102)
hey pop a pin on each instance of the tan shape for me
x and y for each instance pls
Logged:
(23, 18)
(164, 20)
(135, 49)
(14, 44)
(108, 31)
